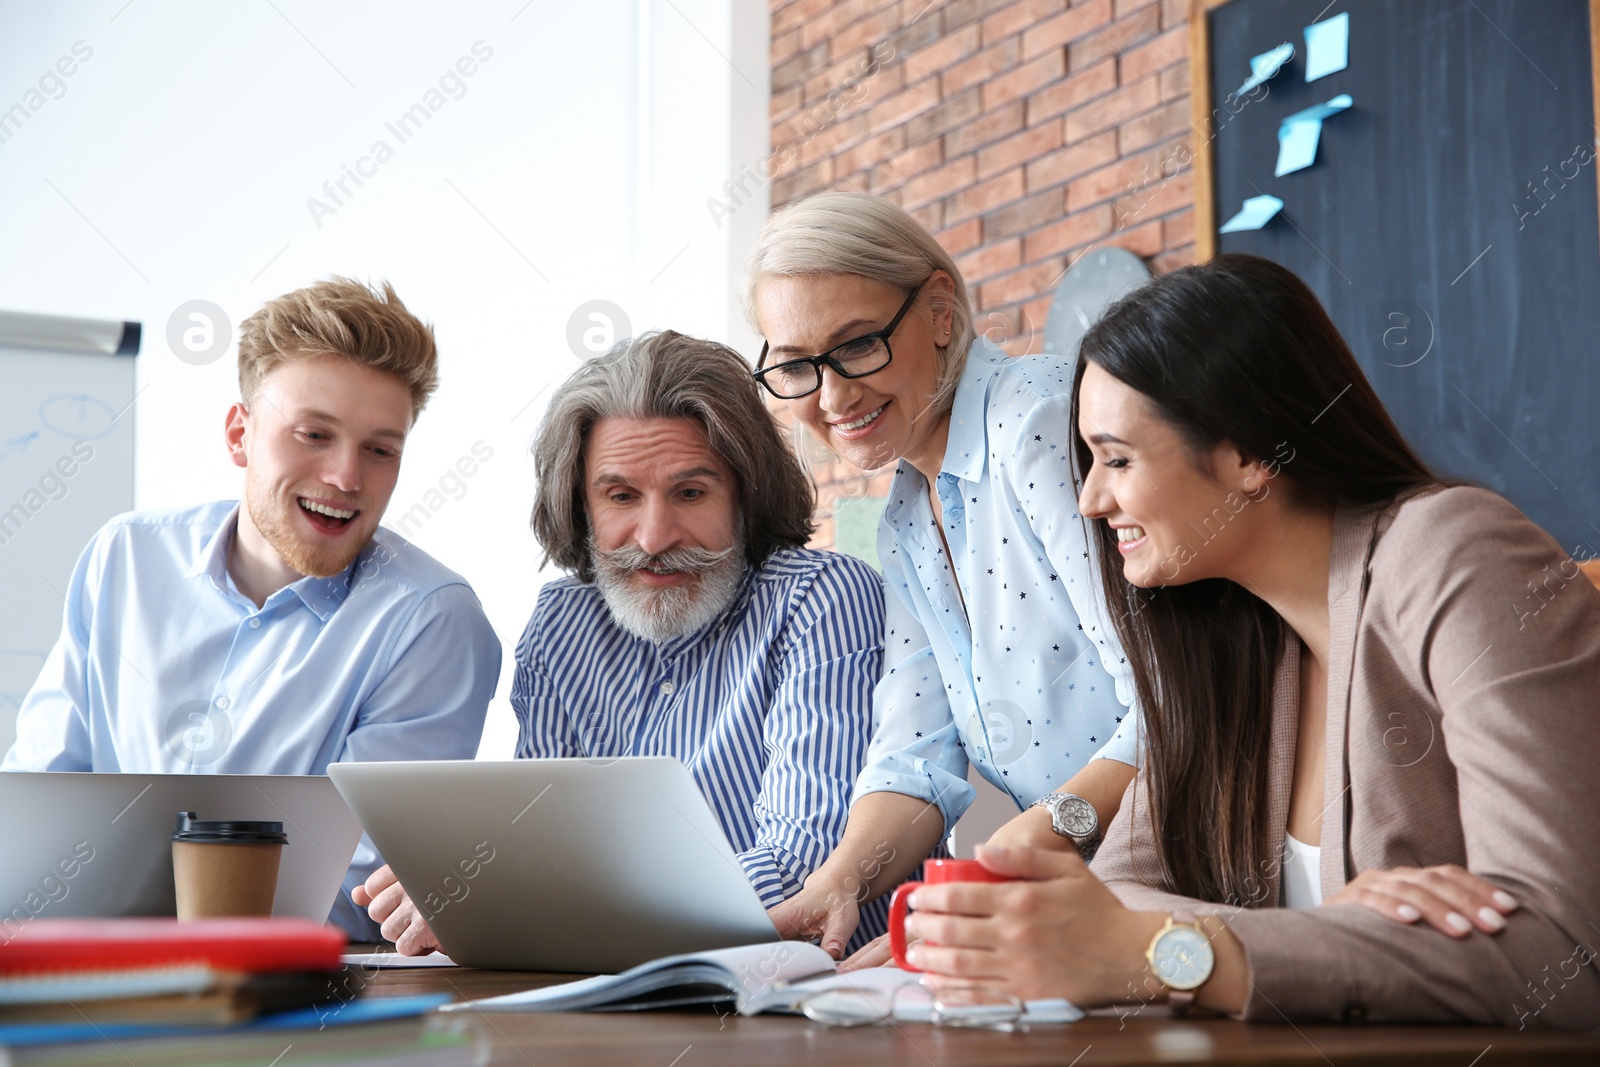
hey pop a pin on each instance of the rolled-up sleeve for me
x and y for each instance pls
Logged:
(1124, 746)
(916, 748)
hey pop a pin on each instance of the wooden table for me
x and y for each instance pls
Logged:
(707, 1038)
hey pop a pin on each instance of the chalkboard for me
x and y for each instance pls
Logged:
(1450, 223)
(66, 466)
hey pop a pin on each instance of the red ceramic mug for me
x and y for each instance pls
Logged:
(934, 872)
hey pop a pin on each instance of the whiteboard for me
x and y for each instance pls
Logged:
(66, 466)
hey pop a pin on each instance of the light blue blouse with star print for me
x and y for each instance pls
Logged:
(1028, 683)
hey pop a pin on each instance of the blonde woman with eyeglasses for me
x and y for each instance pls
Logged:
(998, 656)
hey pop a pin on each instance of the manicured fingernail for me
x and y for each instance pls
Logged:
(1458, 922)
(1408, 913)
(914, 900)
(1491, 918)
(1505, 900)
(914, 955)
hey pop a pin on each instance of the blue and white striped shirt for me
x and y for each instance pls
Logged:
(769, 706)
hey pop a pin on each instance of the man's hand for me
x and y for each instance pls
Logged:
(1451, 900)
(822, 909)
(398, 918)
(875, 953)
(886, 838)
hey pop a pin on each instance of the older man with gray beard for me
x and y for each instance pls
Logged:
(695, 622)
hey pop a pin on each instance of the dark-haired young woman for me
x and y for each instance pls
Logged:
(1369, 701)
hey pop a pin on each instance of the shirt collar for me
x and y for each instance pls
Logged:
(966, 450)
(322, 595)
(212, 560)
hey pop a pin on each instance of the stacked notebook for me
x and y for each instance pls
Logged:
(160, 972)
(386, 1037)
(215, 992)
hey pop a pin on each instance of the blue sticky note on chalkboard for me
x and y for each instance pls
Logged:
(1266, 66)
(1327, 47)
(1299, 133)
(1256, 213)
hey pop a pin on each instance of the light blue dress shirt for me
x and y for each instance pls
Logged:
(769, 706)
(1001, 655)
(164, 667)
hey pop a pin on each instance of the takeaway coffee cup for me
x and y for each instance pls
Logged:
(225, 868)
(934, 872)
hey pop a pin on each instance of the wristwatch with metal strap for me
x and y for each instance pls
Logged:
(1075, 819)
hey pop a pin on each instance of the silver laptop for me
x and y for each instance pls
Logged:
(558, 864)
(98, 845)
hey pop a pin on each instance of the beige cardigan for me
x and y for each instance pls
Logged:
(1462, 729)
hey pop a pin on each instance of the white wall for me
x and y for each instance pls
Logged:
(574, 164)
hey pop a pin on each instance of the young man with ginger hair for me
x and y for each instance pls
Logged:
(285, 631)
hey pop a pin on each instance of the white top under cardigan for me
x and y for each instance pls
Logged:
(1302, 873)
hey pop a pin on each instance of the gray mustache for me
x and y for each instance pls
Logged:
(686, 558)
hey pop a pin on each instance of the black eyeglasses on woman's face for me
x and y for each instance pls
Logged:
(867, 354)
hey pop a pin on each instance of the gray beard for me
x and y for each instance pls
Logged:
(664, 613)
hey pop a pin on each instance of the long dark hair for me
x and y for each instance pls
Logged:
(1237, 349)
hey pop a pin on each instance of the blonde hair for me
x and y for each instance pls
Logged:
(342, 317)
(853, 233)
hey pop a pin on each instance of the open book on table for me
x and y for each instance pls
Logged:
(773, 977)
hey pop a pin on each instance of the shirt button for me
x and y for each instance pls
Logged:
(222, 702)
(667, 687)
(255, 623)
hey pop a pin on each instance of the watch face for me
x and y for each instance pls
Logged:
(1077, 817)
(1182, 958)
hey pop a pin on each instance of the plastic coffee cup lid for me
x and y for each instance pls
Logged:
(228, 831)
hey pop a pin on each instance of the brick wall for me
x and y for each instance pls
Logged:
(1022, 133)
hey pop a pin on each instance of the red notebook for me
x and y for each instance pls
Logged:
(207, 972)
(251, 946)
